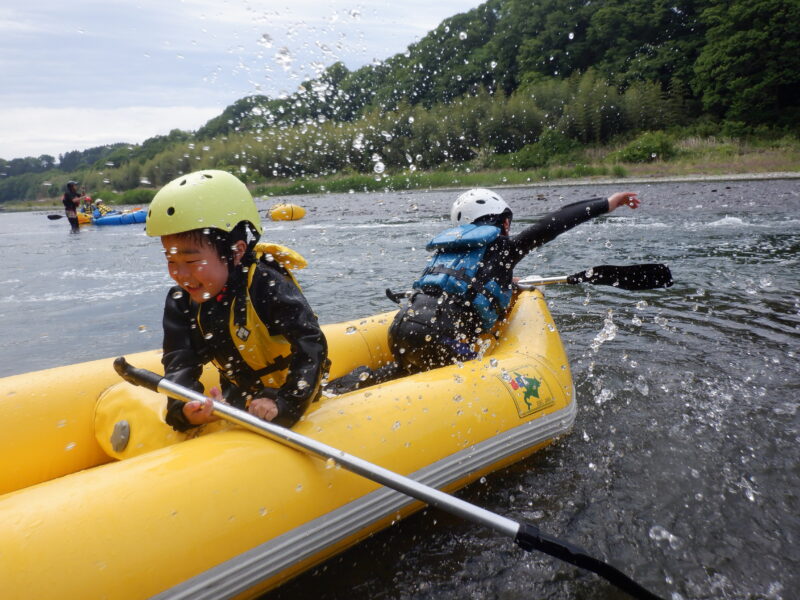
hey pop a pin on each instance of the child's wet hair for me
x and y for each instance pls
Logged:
(221, 240)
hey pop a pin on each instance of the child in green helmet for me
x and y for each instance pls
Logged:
(236, 304)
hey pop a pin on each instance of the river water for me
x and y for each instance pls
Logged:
(683, 468)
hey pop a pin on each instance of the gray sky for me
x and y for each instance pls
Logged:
(83, 73)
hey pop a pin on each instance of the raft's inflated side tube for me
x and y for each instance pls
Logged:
(286, 212)
(130, 421)
(128, 218)
(47, 420)
(242, 511)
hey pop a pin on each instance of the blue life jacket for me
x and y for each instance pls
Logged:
(453, 268)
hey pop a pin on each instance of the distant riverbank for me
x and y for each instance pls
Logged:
(753, 165)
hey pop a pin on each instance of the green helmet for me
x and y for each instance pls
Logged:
(201, 199)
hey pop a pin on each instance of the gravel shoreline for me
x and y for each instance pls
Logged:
(585, 181)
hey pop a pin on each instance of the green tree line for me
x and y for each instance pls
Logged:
(509, 83)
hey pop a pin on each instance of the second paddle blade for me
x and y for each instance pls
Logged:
(630, 277)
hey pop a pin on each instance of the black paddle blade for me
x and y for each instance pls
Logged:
(631, 277)
(54, 217)
(529, 537)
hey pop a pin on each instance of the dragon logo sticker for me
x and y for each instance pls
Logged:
(530, 393)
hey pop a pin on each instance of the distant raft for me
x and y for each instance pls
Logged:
(126, 218)
(286, 212)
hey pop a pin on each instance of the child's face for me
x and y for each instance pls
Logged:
(195, 266)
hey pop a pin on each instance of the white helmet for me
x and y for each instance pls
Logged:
(476, 203)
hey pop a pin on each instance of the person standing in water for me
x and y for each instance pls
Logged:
(72, 200)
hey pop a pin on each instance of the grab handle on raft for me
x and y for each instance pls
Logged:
(629, 277)
(525, 535)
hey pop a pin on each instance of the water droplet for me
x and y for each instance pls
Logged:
(265, 40)
(70, 446)
(208, 336)
(379, 167)
(178, 294)
(604, 396)
(299, 487)
(351, 329)
(396, 426)
(571, 35)
(284, 58)
(462, 35)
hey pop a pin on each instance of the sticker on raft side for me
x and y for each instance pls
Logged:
(530, 394)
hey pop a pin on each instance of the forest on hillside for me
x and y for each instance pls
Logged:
(510, 84)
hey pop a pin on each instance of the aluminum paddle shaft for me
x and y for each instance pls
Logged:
(527, 536)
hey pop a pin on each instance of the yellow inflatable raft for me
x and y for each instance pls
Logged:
(286, 212)
(99, 498)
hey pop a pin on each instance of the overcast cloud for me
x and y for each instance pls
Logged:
(90, 72)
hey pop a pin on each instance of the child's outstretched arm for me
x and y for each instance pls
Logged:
(623, 199)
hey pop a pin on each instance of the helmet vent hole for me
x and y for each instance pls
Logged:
(481, 201)
(207, 176)
(182, 182)
(171, 211)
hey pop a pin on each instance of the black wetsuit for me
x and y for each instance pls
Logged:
(70, 208)
(436, 330)
(281, 307)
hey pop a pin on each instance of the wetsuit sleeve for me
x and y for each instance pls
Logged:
(555, 223)
(283, 308)
(182, 364)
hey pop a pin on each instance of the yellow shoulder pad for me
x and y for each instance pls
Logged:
(286, 257)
